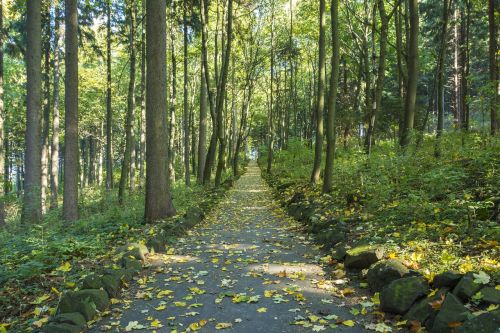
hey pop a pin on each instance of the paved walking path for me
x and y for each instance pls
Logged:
(244, 269)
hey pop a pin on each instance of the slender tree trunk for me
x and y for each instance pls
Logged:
(109, 110)
(411, 94)
(494, 101)
(3, 170)
(440, 79)
(158, 204)
(54, 158)
(173, 106)
(270, 145)
(185, 118)
(32, 207)
(320, 104)
(46, 111)
(379, 84)
(332, 99)
(130, 106)
(70, 203)
(202, 131)
(221, 96)
(142, 129)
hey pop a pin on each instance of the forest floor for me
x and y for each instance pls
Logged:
(244, 269)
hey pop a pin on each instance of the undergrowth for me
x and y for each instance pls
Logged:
(436, 213)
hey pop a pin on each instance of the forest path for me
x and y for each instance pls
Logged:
(243, 269)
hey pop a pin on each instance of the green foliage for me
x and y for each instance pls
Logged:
(411, 200)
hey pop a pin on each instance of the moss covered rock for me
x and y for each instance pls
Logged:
(72, 318)
(133, 265)
(490, 295)
(399, 295)
(422, 311)
(484, 323)
(466, 287)
(61, 328)
(134, 250)
(97, 296)
(452, 313)
(363, 256)
(384, 272)
(448, 279)
(70, 303)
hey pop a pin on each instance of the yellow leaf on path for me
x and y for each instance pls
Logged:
(156, 324)
(261, 310)
(221, 326)
(349, 323)
(171, 251)
(393, 255)
(161, 307)
(180, 304)
(39, 323)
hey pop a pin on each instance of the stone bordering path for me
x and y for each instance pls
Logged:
(451, 302)
(77, 308)
(242, 270)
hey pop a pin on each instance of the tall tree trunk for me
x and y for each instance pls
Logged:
(46, 111)
(221, 94)
(70, 202)
(202, 131)
(32, 207)
(185, 118)
(158, 203)
(3, 165)
(173, 106)
(401, 69)
(379, 84)
(440, 79)
(411, 94)
(332, 99)
(270, 145)
(129, 144)
(320, 104)
(109, 110)
(142, 129)
(54, 158)
(494, 100)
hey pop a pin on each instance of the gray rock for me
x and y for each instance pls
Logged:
(363, 256)
(71, 303)
(452, 311)
(97, 296)
(111, 284)
(92, 281)
(384, 272)
(490, 295)
(488, 322)
(134, 250)
(422, 311)
(399, 295)
(448, 279)
(61, 328)
(132, 264)
(72, 318)
(339, 252)
(466, 287)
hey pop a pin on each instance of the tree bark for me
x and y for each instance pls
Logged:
(440, 79)
(70, 202)
(320, 104)
(129, 121)
(2, 133)
(270, 145)
(46, 111)
(185, 118)
(142, 129)
(202, 131)
(109, 110)
(32, 207)
(158, 203)
(411, 94)
(494, 100)
(54, 158)
(332, 99)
